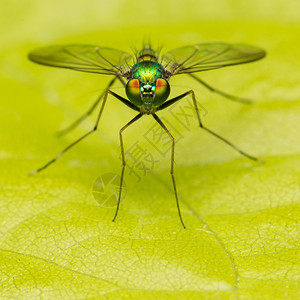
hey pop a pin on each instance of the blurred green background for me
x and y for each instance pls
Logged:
(241, 241)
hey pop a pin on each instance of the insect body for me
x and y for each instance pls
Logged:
(147, 87)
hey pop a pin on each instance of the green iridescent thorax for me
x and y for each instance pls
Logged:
(147, 71)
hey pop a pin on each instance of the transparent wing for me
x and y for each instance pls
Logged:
(203, 57)
(85, 58)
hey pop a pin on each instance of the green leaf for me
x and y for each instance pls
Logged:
(58, 241)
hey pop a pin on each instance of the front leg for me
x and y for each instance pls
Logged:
(123, 159)
(158, 120)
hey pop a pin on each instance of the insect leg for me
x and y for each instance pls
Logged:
(172, 101)
(123, 160)
(212, 89)
(91, 109)
(122, 81)
(172, 163)
(217, 135)
(125, 101)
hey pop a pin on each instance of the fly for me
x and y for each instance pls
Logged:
(145, 77)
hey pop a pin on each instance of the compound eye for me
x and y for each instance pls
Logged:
(162, 91)
(133, 92)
